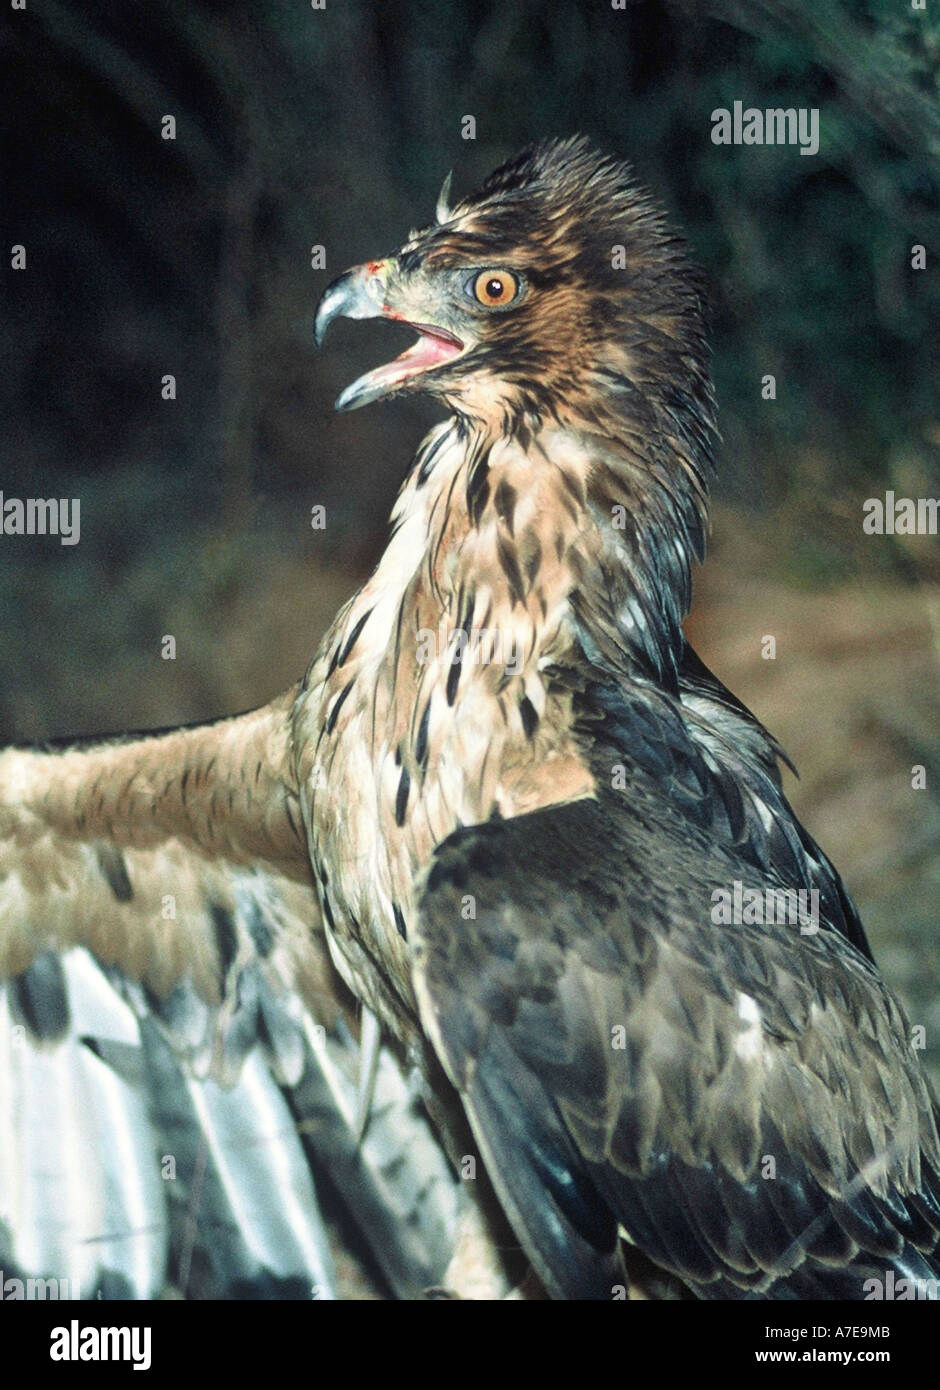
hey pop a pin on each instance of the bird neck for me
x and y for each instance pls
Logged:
(576, 536)
(449, 688)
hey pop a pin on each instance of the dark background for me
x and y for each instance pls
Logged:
(298, 127)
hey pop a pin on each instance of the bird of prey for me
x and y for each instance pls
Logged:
(520, 795)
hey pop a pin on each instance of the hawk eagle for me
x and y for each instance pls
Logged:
(518, 795)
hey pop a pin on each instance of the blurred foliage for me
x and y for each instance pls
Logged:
(298, 126)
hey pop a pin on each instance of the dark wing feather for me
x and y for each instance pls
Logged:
(745, 761)
(176, 1066)
(622, 1058)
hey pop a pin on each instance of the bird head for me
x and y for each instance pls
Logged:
(553, 291)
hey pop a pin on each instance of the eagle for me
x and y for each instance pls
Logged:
(507, 805)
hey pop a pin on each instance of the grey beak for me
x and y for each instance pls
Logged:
(356, 295)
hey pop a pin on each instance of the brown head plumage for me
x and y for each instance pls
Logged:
(555, 296)
(553, 290)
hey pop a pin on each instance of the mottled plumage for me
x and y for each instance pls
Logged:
(518, 861)
(175, 1060)
(513, 791)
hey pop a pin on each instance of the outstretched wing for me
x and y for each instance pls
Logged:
(742, 1100)
(177, 1069)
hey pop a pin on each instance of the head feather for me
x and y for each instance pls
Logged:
(442, 210)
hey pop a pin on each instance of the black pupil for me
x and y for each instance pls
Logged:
(494, 288)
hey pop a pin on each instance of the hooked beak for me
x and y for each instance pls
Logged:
(361, 294)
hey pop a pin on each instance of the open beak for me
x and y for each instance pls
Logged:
(361, 294)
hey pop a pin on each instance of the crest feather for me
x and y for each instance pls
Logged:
(442, 210)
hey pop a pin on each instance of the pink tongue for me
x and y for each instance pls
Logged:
(426, 352)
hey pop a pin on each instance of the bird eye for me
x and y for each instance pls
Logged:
(494, 288)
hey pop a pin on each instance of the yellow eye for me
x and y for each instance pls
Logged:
(494, 288)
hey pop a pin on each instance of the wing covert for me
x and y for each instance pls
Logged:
(603, 1031)
(178, 1064)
